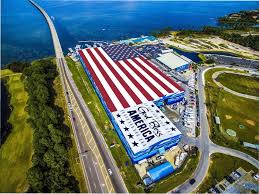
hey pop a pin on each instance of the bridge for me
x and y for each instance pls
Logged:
(95, 156)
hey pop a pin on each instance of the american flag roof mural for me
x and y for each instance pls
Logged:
(124, 77)
(120, 52)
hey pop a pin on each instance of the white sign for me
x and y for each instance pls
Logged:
(144, 125)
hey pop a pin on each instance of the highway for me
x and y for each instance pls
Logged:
(94, 154)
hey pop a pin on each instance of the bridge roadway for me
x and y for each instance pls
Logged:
(94, 154)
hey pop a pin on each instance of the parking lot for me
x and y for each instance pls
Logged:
(189, 115)
(151, 50)
(228, 60)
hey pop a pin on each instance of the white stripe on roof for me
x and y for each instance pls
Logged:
(124, 77)
(124, 93)
(139, 80)
(148, 77)
(158, 75)
(106, 86)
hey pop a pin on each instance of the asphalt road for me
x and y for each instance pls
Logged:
(205, 145)
(95, 178)
(216, 74)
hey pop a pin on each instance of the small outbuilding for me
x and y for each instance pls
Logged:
(217, 120)
(175, 61)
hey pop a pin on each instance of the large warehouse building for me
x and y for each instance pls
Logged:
(175, 61)
(131, 88)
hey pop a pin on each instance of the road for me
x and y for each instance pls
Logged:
(95, 159)
(205, 145)
(220, 149)
(216, 74)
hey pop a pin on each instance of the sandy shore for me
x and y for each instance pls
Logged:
(211, 43)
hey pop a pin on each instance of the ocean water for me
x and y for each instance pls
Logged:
(25, 34)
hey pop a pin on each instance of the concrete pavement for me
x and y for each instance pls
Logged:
(232, 152)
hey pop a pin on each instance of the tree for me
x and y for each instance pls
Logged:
(61, 151)
(36, 179)
(162, 33)
(50, 158)
(37, 160)
(18, 66)
(51, 141)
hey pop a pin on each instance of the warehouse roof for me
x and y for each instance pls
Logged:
(144, 126)
(173, 60)
(124, 77)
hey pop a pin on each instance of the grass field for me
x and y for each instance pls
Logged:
(236, 113)
(127, 170)
(16, 152)
(6, 72)
(73, 155)
(219, 168)
(243, 84)
(178, 177)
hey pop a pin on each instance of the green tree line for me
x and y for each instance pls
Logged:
(239, 21)
(50, 171)
(162, 33)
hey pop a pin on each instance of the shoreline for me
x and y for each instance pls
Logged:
(6, 110)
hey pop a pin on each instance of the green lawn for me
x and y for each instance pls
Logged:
(219, 168)
(127, 170)
(16, 152)
(236, 113)
(178, 177)
(243, 84)
(72, 153)
(6, 72)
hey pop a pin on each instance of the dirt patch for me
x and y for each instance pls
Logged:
(228, 117)
(250, 122)
(257, 137)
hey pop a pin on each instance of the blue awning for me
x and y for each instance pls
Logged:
(160, 171)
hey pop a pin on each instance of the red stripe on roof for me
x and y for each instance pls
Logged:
(134, 81)
(153, 76)
(116, 91)
(162, 74)
(99, 85)
(123, 83)
(144, 79)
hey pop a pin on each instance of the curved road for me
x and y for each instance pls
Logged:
(206, 146)
(232, 152)
(216, 74)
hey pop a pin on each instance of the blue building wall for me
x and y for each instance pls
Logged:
(160, 171)
(183, 67)
(167, 144)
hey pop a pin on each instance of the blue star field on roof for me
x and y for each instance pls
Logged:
(120, 52)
